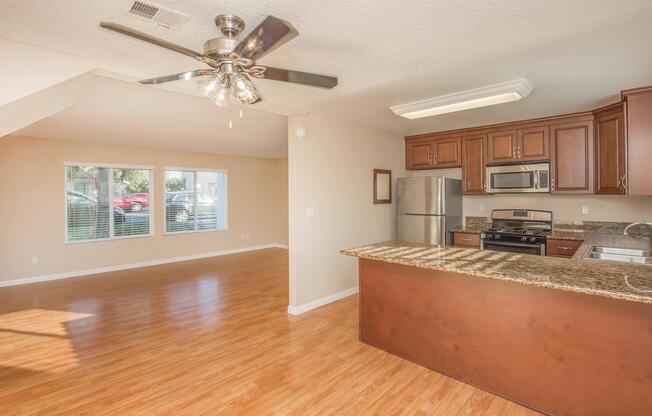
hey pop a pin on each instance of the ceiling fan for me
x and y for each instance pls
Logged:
(233, 62)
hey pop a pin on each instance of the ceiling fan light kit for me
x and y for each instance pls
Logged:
(503, 92)
(233, 62)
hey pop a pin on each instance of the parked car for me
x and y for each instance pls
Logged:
(81, 206)
(180, 207)
(133, 202)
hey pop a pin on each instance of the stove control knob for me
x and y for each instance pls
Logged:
(497, 236)
(532, 239)
(523, 238)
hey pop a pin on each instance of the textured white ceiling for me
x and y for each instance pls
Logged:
(385, 53)
(132, 114)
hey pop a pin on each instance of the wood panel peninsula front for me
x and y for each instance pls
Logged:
(560, 336)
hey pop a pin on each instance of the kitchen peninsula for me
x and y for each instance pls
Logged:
(561, 336)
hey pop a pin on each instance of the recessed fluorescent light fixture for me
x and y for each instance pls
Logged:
(504, 92)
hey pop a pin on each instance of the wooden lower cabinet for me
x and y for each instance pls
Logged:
(562, 247)
(572, 159)
(469, 240)
(473, 165)
(610, 150)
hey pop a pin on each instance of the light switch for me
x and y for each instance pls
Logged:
(585, 209)
(310, 212)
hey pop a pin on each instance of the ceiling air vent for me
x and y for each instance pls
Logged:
(165, 17)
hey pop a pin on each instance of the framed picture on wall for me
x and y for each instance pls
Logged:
(382, 186)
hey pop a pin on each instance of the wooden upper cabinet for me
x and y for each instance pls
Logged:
(434, 153)
(639, 141)
(532, 144)
(473, 165)
(448, 153)
(571, 164)
(501, 146)
(419, 155)
(610, 150)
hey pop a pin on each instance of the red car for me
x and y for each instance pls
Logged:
(132, 202)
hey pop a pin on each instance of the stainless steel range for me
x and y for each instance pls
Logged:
(518, 231)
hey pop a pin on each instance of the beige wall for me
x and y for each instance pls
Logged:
(331, 171)
(33, 220)
(564, 207)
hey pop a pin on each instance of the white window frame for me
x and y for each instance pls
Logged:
(111, 166)
(195, 171)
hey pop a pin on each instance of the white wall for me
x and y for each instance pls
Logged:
(615, 208)
(330, 170)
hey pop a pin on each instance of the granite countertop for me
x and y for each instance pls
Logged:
(594, 277)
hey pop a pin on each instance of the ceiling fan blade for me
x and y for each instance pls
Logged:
(181, 75)
(297, 77)
(151, 39)
(267, 36)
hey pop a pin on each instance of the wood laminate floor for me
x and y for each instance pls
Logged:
(205, 337)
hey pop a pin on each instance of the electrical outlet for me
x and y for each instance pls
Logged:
(242, 236)
(482, 207)
(247, 236)
(585, 209)
(310, 212)
(35, 260)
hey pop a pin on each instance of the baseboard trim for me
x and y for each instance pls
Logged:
(86, 272)
(298, 310)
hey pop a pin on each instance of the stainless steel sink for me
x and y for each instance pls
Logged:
(625, 255)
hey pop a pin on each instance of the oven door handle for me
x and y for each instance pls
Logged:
(533, 245)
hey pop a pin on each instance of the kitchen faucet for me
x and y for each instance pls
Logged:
(637, 223)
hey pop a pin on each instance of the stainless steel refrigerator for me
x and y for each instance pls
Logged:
(428, 208)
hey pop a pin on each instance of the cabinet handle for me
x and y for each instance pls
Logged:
(518, 152)
(620, 182)
(624, 181)
(434, 159)
(552, 184)
(565, 248)
(514, 152)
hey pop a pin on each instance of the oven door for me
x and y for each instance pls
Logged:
(518, 178)
(534, 249)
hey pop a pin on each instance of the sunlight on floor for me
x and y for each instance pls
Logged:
(38, 333)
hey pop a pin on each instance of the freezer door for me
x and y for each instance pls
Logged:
(421, 195)
(426, 229)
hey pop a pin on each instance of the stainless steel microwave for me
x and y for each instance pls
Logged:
(533, 177)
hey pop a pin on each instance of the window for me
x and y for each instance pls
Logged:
(195, 200)
(104, 202)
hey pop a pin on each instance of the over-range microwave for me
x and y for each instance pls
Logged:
(516, 178)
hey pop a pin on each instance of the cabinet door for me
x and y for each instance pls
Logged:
(533, 144)
(572, 158)
(610, 153)
(501, 146)
(418, 155)
(473, 165)
(448, 153)
(639, 142)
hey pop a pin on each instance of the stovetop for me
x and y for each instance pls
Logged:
(519, 231)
